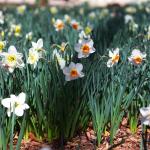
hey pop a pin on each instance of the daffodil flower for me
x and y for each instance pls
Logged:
(59, 25)
(85, 48)
(29, 36)
(145, 112)
(82, 36)
(67, 18)
(12, 59)
(137, 57)
(74, 71)
(21, 9)
(114, 57)
(53, 10)
(16, 29)
(2, 45)
(60, 59)
(1, 18)
(15, 104)
(38, 46)
(75, 25)
(33, 57)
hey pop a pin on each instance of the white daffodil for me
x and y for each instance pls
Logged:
(85, 48)
(38, 46)
(2, 45)
(1, 18)
(29, 36)
(114, 57)
(59, 25)
(137, 57)
(82, 36)
(21, 9)
(60, 59)
(75, 25)
(33, 57)
(12, 59)
(15, 104)
(74, 71)
(128, 18)
(145, 112)
(92, 15)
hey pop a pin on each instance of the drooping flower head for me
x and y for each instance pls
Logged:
(15, 104)
(74, 71)
(114, 57)
(145, 112)
(137, 57)
(85, 48)
(59, 25)
(12, 59)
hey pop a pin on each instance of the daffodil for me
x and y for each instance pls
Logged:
(1, 18)
(137, 57)
(85, 48)
(128, 18)
(145, 112)
(59, 25)
(67, 18)
(83, 35)
(21, 9)
(33, 57)
(114, 57)
(92, 15)
(29, 36)
(60, 59)
(38, 46)
(2, 45)
(74, 71)
(16, 29)
(53, 10)
(75, 25)
(12, 59)
(15, 104)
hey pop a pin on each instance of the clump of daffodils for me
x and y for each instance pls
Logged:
(15, 104)
(59, 25)
(16, 29)
(12, 59)
(35, 52)
(137, 57)
(85, 48)
(145, 112)
(73, 71)
(114, 57)
(21, 9)
(2, 45)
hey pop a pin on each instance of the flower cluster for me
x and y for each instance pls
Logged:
(136, 57)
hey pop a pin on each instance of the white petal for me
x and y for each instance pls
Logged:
(19, 111)
(34, 45)
(79, 67)
(109, 63)
(80, 55)
(77, 47)
(81, 74)
(145, 121)
(40, 43)
(22, 97)
(110, 54)
(72, 65)
(145, 111)
(6, 102)
(26, 106)
(8, 112)
(67, 78)
(116, 51)
(92, 50)
(12, 50)
(66, 71)
(11, 69)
